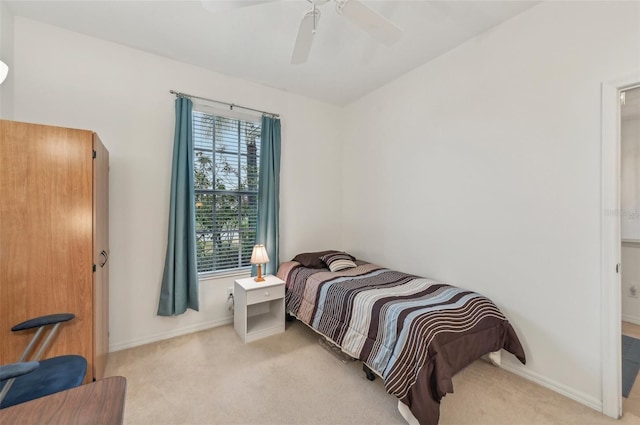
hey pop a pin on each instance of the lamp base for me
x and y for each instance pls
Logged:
(259, 278)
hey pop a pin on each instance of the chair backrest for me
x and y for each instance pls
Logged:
(41, 323)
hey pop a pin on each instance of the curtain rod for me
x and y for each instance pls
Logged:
(230, 105)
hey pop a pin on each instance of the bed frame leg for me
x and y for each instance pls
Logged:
(370, 375)
(288, 317)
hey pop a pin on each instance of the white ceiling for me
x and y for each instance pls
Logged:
(255, 43)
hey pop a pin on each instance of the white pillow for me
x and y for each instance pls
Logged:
(338, 261)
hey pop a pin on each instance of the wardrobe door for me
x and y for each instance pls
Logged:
(46, 223)
(101, 253)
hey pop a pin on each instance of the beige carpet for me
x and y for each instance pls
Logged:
(210, 377)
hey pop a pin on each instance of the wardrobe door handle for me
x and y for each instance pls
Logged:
(106, 258)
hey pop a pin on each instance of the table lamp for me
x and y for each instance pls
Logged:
(259, 257)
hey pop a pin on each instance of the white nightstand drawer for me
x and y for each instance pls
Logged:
(261, 295)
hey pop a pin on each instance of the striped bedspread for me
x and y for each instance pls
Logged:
(414, 332)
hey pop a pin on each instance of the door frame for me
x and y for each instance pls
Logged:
(611, 245)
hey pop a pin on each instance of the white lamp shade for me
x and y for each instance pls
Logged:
(259, 255)
(4, 70)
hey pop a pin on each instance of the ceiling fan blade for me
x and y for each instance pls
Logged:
(224, 5)
(306, 32)
(369, 20)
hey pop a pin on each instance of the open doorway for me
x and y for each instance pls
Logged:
(611, 248)
(630, 247)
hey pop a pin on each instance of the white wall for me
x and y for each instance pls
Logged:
(482, 168)
(67, 79)
(6, 56)
(630, 174)
(630, 277)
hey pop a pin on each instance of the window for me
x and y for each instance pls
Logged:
(226, 158)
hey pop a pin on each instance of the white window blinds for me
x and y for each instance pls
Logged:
(226, 158)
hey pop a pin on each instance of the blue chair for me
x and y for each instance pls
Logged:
(26, 380)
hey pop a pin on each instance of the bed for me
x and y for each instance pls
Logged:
(413, 332)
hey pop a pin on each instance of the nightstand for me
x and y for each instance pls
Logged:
(258, 307)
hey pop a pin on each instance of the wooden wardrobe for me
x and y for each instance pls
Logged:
(54, 239)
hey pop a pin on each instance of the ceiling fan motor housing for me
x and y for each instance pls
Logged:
(318, 2)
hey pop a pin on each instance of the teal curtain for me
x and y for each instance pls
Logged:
(268, 231)
(180, 278)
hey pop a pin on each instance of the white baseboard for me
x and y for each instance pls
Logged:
(166, 335)
(631, 319)
(566, 391)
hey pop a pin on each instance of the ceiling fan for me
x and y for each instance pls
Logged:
(357, 12)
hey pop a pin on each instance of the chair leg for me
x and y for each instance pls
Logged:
(46, 342)
(6, 388)
(31, 344)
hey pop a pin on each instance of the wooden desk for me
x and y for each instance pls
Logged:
(99, 402)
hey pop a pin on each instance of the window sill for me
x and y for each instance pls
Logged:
(205, 277)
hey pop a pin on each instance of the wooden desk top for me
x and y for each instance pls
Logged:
(99, 402)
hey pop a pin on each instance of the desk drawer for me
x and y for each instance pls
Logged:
(256, 296)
